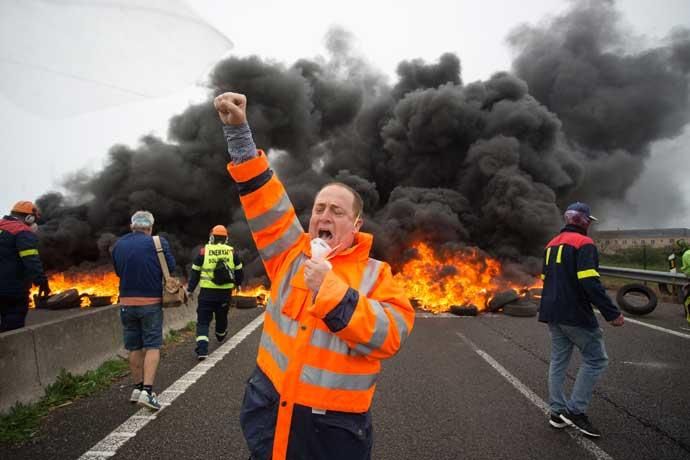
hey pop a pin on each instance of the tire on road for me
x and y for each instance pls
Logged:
(63, 300)
(502, 298)
(633, 308)
(522, 308)
(244, 302)
(534, 294)
(464, 310)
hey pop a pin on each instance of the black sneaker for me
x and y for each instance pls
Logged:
(582, 423)
(221, 337)
(556, 421)
(201, 352)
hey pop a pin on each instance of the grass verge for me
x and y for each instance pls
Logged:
(175, 337)
(22, 421)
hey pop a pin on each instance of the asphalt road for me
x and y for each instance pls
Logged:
(461, 388)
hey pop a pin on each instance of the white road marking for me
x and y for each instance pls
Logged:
(92, 454)
(108, 446)
(658, 328)
(650, 364)
(585, 443)
(654, 326)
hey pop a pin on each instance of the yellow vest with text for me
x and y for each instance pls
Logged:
(213, 253)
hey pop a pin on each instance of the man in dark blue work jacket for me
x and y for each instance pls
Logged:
(571, 287)
(20, 264)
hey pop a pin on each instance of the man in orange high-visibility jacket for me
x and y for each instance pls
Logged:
(329, 323)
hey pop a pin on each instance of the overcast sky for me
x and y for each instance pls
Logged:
(41, 146)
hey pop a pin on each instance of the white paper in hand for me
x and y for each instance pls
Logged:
(319, 250)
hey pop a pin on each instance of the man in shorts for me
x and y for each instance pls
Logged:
(141, 313)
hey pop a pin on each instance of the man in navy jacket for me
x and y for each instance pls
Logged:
(20, 264)
(141, 290)
(571, 287)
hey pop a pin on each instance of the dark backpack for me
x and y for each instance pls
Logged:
(223, 274)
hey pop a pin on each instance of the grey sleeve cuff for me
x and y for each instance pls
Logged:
(241, 145)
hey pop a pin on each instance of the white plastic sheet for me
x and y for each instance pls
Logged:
(66, 57)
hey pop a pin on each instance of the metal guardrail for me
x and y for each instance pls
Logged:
(668, 278)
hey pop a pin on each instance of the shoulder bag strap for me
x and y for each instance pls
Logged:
(161, 257)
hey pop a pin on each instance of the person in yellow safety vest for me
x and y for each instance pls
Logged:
(331, 319)
(217, 270)
(685, 269)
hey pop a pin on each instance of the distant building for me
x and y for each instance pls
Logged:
(611, 241)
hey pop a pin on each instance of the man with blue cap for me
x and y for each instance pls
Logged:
(571, 287)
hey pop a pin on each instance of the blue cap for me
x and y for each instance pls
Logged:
(583, 208)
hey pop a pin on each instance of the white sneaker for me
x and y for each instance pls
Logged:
(135, 395)
(148, 400)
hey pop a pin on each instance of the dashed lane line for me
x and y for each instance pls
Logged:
(531, 396)
(108, 446)
(627, 319)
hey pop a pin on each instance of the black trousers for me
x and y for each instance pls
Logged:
(13, 310)
(205, 312)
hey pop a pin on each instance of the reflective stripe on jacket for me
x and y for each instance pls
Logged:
(20, 264)
(213, 253)
(321, 352)
(571, 282)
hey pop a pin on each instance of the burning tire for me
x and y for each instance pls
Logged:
(501, 299)
(244, 302)
(100, 300)
(464, 310)
(534, 294)
(61, 301)
(634, 302)
(522, 308)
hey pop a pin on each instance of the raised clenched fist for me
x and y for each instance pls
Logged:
(232, 108)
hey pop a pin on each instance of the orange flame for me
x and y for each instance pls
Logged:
(459, 278)
(260, 292)
(100, 284)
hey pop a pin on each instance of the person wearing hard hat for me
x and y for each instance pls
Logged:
(685, 269)
(20, 264)
(217, 270)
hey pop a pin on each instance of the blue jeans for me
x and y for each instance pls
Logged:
(142, 326)
(590, 342)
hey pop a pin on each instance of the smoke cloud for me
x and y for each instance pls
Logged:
(488, 164)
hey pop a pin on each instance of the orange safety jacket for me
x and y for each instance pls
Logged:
(309, 363)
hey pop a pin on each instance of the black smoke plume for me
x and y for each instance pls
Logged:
(487, 164)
